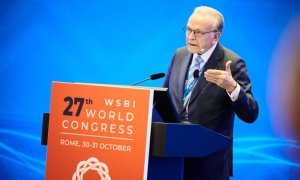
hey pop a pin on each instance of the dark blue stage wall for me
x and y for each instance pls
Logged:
(121, 42)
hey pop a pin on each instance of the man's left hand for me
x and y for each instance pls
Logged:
(222, 78)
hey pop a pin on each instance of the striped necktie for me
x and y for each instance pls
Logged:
(191, 80)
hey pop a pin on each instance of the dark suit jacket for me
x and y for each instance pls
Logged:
(211, 107)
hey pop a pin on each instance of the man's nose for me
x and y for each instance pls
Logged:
(192, 35)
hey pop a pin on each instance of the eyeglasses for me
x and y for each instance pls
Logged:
(197, 33)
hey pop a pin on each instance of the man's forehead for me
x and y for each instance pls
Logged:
(199, 20)
(201, 17)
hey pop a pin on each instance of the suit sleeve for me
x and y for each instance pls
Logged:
(167, 78)
(245, 107)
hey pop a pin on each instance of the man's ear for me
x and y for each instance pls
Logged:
(217, 35)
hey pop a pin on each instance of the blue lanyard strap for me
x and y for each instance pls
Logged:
(188, 89)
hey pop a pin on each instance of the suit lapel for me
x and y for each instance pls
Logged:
(182, 75)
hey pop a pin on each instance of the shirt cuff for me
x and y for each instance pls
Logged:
(235, 94)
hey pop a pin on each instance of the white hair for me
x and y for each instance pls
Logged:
(204, 10)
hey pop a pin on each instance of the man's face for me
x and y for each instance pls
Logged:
(202, 37)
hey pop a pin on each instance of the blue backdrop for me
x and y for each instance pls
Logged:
(121, 42)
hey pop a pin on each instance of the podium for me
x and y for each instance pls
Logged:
(170, 143)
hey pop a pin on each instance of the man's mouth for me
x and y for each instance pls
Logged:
(190, 44)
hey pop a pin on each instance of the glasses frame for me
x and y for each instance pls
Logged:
(197, 33)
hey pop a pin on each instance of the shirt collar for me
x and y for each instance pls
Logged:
(205, 56)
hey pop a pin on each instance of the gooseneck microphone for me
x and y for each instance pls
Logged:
(152, 77)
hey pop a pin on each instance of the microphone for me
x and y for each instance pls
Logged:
(152, 77)
(196, 73)
(157, 76)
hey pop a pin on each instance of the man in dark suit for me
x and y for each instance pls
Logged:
(217, 88)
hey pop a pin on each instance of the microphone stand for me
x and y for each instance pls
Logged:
(152, 77)
(140, 82)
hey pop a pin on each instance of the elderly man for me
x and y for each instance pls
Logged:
(208, 85)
